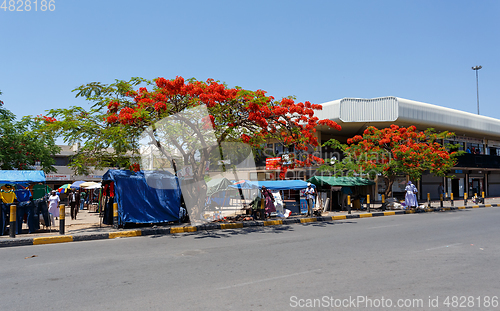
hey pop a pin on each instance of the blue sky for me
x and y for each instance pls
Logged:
(315, 50)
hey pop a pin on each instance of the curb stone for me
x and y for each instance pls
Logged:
(217, 226)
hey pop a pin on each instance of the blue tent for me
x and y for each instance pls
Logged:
(274, 184)
(140, 203)
(21, 176)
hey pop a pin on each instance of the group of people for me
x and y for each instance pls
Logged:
(76, 200)
(473, 150)
(269, 206)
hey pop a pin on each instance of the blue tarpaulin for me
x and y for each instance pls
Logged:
(140, 203)
(274, 184)
(21, 176)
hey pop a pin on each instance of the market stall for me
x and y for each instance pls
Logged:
(26, 190)
(138, 202)
(287, 193)
(337, 188)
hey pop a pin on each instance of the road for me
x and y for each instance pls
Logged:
(410, 260)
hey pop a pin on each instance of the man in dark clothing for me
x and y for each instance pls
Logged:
(74, 202)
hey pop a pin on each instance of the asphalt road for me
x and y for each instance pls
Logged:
(407, 262)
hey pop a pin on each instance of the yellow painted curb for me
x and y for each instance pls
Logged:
(475, 206)
(124, 234)
(182, 229)
(339, 217)
(273, 222)
(409, 212)
(53, 239)
(446, 209)
(389, 213)
(365, 215)
(487, 205)
(306, 220)
(461, 207)
(231, 226)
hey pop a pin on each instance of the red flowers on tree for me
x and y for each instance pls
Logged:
(235, 114)
(400, 151)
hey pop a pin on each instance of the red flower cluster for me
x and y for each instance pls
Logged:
(126, 116)
(45, 118)
(135, 167)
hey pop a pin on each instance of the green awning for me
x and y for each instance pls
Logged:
(340, 181)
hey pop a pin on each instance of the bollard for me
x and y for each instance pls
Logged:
(62, 216)
(451, 198)
(465, 198)
(12, 228)
(428, 199)
(368, 202)
(441, 199)
(348, 204)
(115, 215)
(482, 194)
(383, 202)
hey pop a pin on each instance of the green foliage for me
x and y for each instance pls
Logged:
(101, 144)
(22, 146)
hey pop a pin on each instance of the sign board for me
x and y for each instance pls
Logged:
(58, 177)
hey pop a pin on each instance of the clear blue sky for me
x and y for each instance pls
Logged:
(315, 50)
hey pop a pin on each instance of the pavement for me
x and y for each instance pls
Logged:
(88, 226)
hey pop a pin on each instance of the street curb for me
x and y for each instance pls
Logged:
(217, 226)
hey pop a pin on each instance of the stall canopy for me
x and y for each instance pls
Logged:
(21, 176)
(217, 184)
(140, 203)
(340, 181)
(274, 184)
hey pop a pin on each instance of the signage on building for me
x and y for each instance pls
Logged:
(273, 163)
(58, 177)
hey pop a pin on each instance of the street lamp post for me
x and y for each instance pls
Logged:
(477, 85)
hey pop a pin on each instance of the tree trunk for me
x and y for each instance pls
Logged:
(388, 185)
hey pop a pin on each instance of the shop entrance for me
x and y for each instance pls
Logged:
(476, 185)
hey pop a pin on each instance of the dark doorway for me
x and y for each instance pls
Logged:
(455, 188)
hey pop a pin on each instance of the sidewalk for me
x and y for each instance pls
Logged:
(87, 226)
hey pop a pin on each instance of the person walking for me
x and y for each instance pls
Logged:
(410, 196)
(441, 190)
(309, 192)
(73, 201)
(82, 199)
(346, 191)
(269, 200)
(54, 204)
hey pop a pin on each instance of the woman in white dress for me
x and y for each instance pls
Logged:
(54, 204)
(411, 197)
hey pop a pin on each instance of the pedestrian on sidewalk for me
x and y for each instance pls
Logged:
(310, 198)
(82, 200)
(269, 200)
(411, 196)
(54, 204)
(73, 200)
(441, 190)
(346, 191)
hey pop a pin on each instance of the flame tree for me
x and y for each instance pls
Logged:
(122, 111)
(395, 151)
